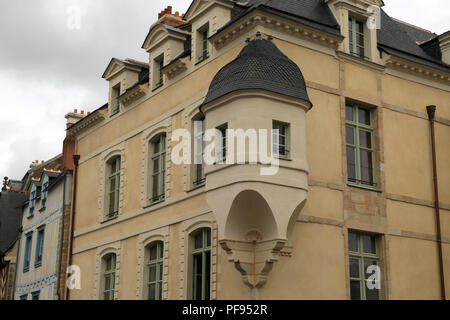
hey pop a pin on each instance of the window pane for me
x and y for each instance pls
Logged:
(160, 250)
(367, 264)
(156, 165)
(364, 116)
(155, 185)
(207, 274)
(354, 268)
(208, 237)
(365, 139)
(350, 135)
(353, 242)
(366, 167)
(153, 253)
(351, 164)
(355, 290)
(152, 291)
(369, 244)
(197, 277)
(372, 294)
(198, 240)
(156, 147)
(107, 282)
(152, 273)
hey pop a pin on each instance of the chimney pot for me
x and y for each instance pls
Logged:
(82, 112)
(75, 110)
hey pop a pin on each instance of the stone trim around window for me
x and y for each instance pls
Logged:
(187, 227)
(161, 234)
(164, 126)
(118, 150)
(98, 282)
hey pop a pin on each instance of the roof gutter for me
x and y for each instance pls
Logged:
(431, 110)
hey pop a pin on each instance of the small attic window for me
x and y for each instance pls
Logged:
(357, 37)
(202, 43)
(158, 75)
(115, 107)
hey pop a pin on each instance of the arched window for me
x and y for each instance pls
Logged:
(158, 165)
(109, 276)
(201, 264)
(113, 187)
(155, 270)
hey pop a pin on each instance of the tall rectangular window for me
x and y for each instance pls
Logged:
(27, 253)
(204, 52)
(115, 99)
(32, 203)
(158, 169)
(356, 37)
(155, 270)
(158, 74)
(201, 257)
(199, 144)
(281, 139)
(39, 246)
(359, 142)
(109, 276)
(363, 254)
(114, 187)
(222, 145)
(44, 195)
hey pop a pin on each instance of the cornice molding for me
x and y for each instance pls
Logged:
(88, 122)
(260, 18)
(417, 69)
(176, 67)
(363, 62)
(134, 94)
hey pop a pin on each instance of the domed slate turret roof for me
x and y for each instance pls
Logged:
(260, 65)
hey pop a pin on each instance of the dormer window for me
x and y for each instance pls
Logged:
(44, 194)
(158, 74)
(356, 37)
(32, 202)
(115, 94)
(203, 49)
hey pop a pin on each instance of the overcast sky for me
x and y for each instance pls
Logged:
(48, 66)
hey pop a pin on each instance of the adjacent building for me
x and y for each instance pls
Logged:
(353, 195)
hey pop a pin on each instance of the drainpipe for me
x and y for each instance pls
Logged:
(76, 159)
(61, 241)
(431, 110)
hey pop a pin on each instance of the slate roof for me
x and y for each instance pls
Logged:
(10, 218)
(394, 37)
(260, 65)
(314, 13)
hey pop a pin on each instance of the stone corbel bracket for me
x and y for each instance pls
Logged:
(254, 260)
(134, 94)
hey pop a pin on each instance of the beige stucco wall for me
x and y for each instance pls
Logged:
(318, 258)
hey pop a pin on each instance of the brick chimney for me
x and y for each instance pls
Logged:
(167, 17)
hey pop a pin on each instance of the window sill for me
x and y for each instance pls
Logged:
(26, 270)
(110, 219)
(30, 216)
(196, 187)
(200, 60)
(154, 203)
(37, 265)
(157, 86)
(114, 113)
(359, 186)
(42, 209)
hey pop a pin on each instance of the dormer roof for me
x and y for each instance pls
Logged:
(160, 32)
(117, 65)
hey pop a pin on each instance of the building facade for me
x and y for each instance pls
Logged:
(344, 104)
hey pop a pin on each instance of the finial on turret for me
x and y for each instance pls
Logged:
(258, 36)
